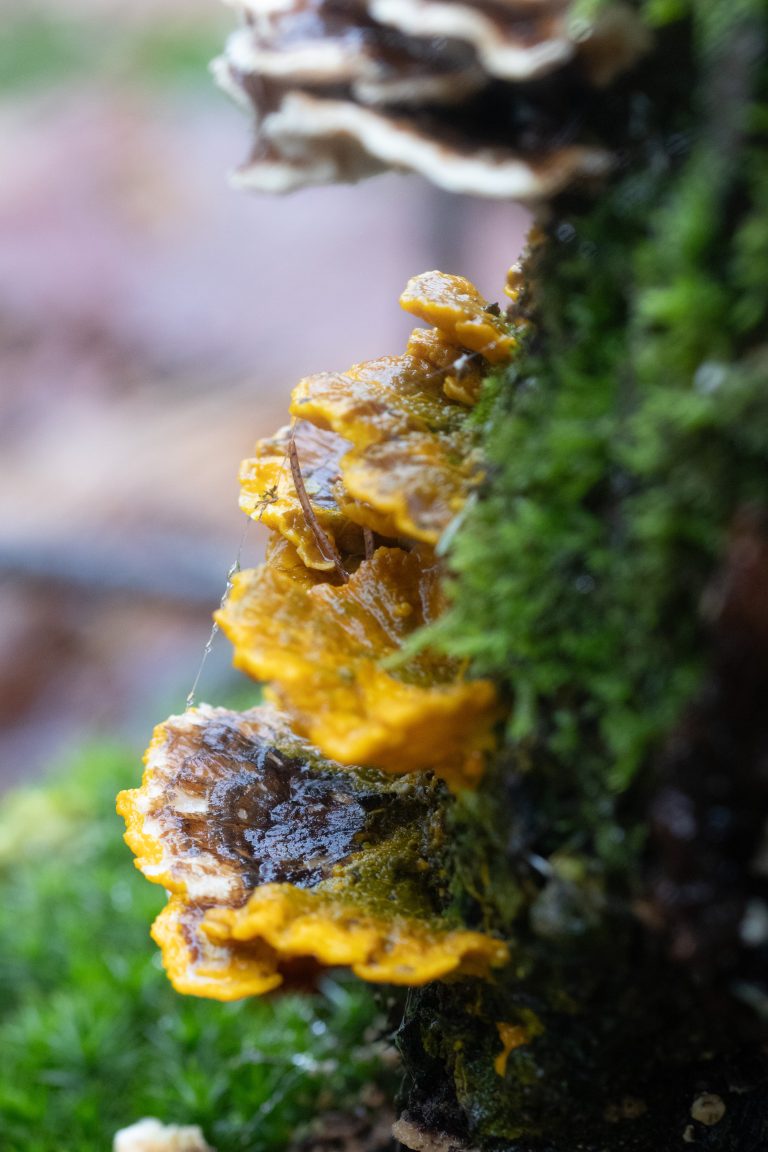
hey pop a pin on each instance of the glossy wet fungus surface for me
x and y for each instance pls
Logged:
(271, 812)
(265, 813)
(282, 855)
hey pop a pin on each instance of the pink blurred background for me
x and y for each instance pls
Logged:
(152, 324)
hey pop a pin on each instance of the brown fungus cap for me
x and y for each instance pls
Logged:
(512, 41)
(447, 89)
(311, 139)
(280, 862)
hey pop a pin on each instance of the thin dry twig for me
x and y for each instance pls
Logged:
(369, 544)
(322, 539)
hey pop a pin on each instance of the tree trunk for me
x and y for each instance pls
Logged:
(613, 577)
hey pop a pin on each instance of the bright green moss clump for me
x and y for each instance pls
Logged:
(92, 1035)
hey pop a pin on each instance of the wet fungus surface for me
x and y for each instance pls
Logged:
(268, 493)
(321, 650)
(278, 862)
(235, 800)
(411, 459)
(457, 308)
(310, 832)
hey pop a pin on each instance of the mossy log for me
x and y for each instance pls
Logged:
(613, 576)
(597, 900)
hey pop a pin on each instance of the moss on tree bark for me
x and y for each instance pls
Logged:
(613, 576)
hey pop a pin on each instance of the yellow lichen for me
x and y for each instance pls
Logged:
(322, 648)
(456, 307)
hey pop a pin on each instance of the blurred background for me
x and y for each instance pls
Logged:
(152, 324)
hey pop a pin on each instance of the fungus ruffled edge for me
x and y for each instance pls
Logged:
(223, 934)
(327, 632)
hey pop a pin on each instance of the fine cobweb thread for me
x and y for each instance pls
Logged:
(232, 571)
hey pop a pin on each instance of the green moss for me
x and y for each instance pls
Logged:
(40, 50)
(622, 442)
(394, 873)
(92, 1035)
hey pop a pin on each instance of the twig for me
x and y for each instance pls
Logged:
(322, 539)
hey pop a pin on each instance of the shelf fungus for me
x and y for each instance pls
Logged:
(321, 648)
(458, 310)
(279, 862)
(308, 832)
(385, 450)
(452, 90)
(411, 459)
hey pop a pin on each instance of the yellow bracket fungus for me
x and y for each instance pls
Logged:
(514, 1036)
(464, 374)
(322, 647)
(280, 862)
(282, 856)
(377, 400)
(458, 310)
(318, 926)
(411, 461)
(411, 487)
